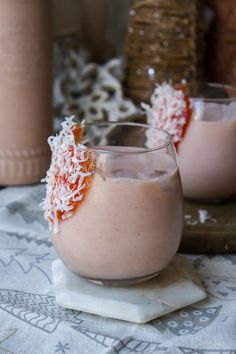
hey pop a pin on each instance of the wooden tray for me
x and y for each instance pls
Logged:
(211, 237)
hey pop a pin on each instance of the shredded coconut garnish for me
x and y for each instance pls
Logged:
(170, 110)
(70, 173)
(203, 217)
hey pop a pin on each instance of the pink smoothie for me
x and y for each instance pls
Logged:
(129, 224)
(207, 158)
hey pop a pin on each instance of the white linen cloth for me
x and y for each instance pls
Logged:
(31, 322)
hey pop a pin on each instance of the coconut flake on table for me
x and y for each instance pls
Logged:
(203, 217)
(65, 179)
(190, 221)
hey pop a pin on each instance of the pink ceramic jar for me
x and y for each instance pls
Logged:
(25, 90)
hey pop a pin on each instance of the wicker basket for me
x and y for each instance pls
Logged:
(164, 42)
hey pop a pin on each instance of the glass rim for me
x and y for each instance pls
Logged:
(214, 85)
(143, 150)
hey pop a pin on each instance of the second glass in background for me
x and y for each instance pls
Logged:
(207, 153)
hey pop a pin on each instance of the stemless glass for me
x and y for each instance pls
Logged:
(207, 153)
(129, 225)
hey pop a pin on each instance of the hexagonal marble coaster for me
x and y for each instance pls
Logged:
(175, 287)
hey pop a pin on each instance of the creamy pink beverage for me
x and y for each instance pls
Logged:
(128, 223)
(204, 131)
(208, 160)
(207, 154)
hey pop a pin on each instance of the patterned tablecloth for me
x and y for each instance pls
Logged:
(32, 323)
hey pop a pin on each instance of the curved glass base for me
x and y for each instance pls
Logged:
(121, 282)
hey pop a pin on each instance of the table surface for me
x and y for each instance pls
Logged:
(32, 323)
(217, 235)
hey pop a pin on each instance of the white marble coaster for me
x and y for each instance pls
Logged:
(177, 286)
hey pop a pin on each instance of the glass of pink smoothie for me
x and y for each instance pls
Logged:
(207, 153)
(128, 226)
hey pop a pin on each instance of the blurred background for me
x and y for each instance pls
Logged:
(107, 58)
(101, 27)
(156, 40)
